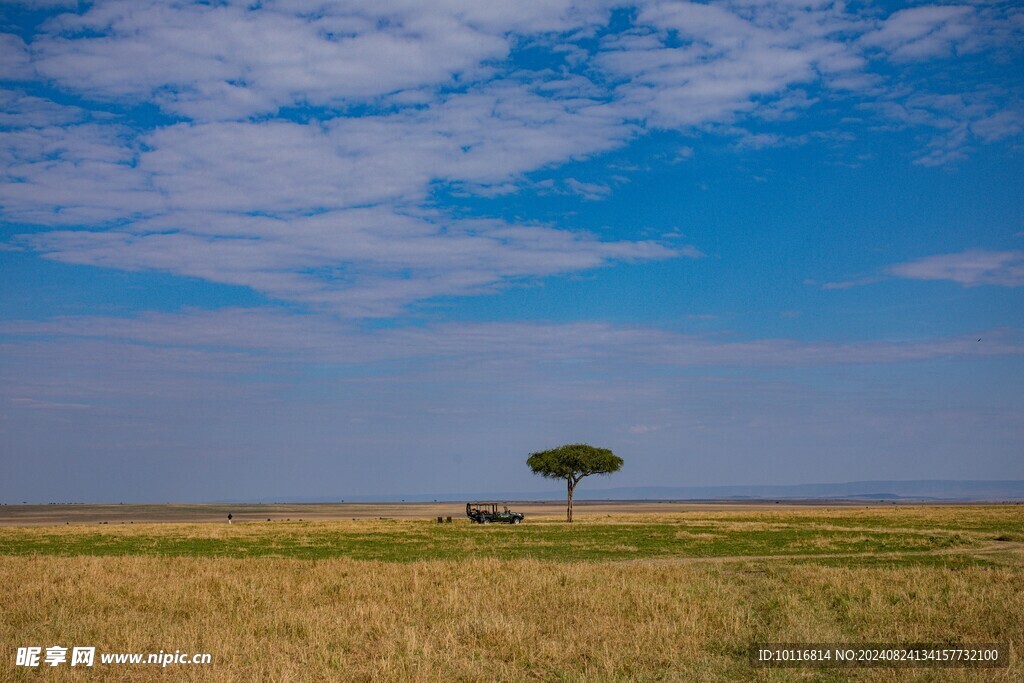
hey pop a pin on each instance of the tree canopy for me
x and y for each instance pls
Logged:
(572, 462)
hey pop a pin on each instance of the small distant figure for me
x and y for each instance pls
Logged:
(229, 518)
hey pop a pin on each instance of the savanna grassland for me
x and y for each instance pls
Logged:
(650, 597)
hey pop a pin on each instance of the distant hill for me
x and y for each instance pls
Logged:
(879, 490)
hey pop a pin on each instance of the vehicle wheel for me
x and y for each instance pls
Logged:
(485, 521)
(516, 520)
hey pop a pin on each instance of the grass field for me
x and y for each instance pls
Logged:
(667, 597)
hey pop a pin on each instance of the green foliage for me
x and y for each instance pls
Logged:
(574, 461)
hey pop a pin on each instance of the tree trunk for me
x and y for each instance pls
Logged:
(568, 510)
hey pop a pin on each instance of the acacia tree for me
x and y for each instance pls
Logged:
(572, 462)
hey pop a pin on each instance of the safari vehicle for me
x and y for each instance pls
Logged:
(485, 513)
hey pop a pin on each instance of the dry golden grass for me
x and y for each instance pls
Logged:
(274, 619)
(472, 619)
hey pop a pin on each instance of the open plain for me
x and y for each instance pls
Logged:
(52, 514)
(637, 591)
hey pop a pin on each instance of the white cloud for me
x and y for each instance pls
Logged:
(998, 125)
(643, 429)
(923, 32)
(958, 121)
(366, 262)
(233, 60)
(18, 110)
(77, 174)
(847, 284)
(969, 268)
(690, 63)
(15, 63)
(337, 211)
(571, 186)
(490, 136)
(181, 199)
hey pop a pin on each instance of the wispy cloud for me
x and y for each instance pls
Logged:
(847, 284)
(959, 121)
(928, 31)
(643, 429)
(227, 392)
(316, 339)
(969, 268)
(36, 404)
(361, 263)
(943, 31)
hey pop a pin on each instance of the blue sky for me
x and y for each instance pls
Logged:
(307, 249)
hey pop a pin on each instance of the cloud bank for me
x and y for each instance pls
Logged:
(296, 147)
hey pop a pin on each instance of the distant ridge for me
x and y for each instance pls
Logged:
(923, 490)
(935, 489)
